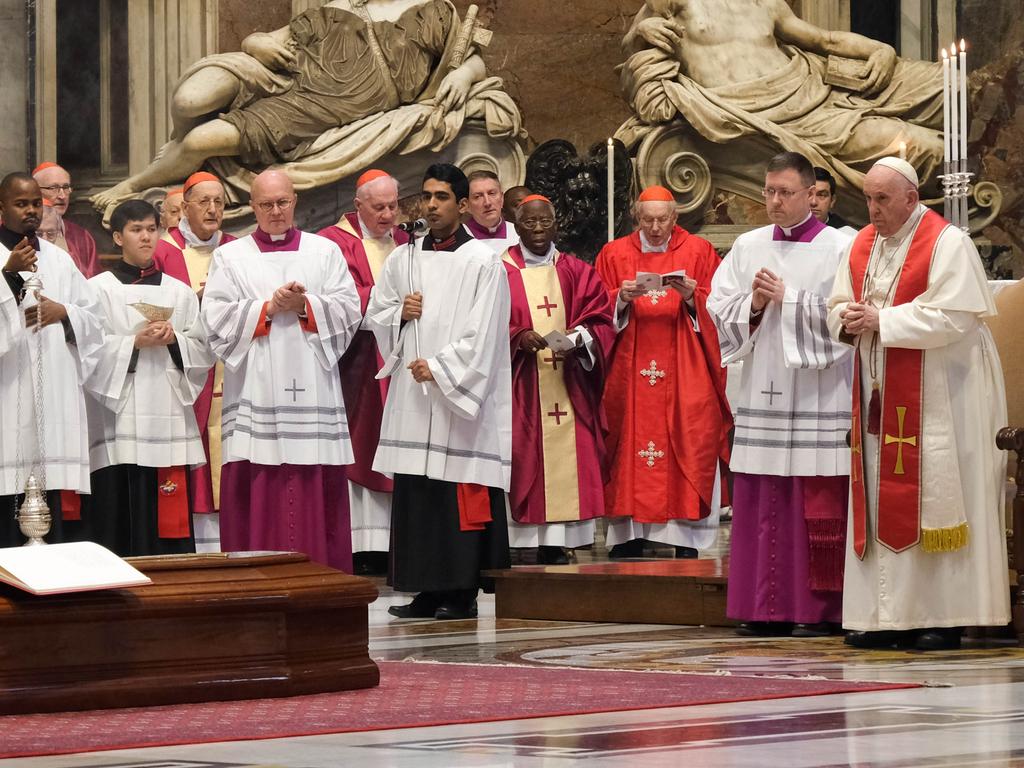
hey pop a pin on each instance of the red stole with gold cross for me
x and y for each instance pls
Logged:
(899, 460)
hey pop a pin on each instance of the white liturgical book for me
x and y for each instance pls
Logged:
(78, 566)
(560, 342)
(652, 281)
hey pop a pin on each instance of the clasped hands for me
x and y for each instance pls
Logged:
(290, 297)
(159, 333)
(859, 318)
(766, 288)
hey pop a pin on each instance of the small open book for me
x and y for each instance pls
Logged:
(652, 281)
(78, 566)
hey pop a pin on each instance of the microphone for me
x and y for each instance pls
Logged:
(410, 227)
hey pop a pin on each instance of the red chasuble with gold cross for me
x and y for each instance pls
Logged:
(557, 423)
(668, 417)
(899, 460)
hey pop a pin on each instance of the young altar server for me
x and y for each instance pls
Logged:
(440, 313)
(366, 237)
(70, 338)
(143, 434)
(790, 459)
(281, 309)
(558, 438)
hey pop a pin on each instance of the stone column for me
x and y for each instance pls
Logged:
(165, 37)
(14, 93)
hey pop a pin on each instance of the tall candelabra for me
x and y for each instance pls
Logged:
(956, 180)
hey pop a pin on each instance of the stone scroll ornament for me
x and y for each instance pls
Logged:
(578, 188)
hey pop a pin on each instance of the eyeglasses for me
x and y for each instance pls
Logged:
(784, 194)
(534, 223)
(48, 234)
(206, 202)
(53, 189)
(284, 205)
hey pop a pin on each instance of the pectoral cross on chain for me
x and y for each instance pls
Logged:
(772, 394)
(901, 414)
(294, 389)
(547, 306)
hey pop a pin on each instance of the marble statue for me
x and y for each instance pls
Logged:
(735, 81)
(337, 89)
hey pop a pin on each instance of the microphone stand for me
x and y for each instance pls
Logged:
(415, 322)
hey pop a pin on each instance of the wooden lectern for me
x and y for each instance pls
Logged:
(209, 628)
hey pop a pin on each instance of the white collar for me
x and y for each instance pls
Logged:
(365, 231)
(903, 232)
(192, 239)
(789, 230)
(538, 260)
(646, 247)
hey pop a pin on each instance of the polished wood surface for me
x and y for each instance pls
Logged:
(630, 591)
(209, 627)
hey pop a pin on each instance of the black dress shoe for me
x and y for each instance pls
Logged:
(755, 629)
(454, 611)
(552, 556)
(423, 606)
(882, 639)
(686, 553)
(938, 639)
(631, 548)
(821, 629)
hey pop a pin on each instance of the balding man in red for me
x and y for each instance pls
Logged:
(55, 183)
(185, 252)
(366, 237)
(668, 418)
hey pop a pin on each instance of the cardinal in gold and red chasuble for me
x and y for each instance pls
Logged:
(668, 416)
(558, 424)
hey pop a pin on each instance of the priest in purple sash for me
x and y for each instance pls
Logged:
(366, 237)
(486, 221)
(281, 309)
(561, 334)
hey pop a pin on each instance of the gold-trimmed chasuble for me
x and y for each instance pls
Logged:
(377, 250)
(557, 418)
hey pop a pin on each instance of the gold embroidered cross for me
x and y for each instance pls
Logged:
(652, 374)
(650, 454)
(901, 413)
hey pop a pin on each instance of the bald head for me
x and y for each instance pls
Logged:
(273, 202)
(55, 183)
(891, 199)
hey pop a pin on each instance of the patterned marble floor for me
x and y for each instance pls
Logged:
(970, 712)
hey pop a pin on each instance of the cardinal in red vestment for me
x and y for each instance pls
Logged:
(561, 334)
(55, 183)
(367, 236)
(185, 252)
(668, 417)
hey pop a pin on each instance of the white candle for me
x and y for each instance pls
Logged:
(945, 107)
(611, 190)
(963, 101)
(954, 143)
(903, 150)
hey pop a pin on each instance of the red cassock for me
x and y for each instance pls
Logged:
(585, 303)
(364, 393)
(668, 417)
(169, 257)
(82, 248)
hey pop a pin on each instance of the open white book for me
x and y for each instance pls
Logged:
(561, 342)
(78, 566)
(652, 281)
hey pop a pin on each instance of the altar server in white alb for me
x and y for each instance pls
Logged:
(281, 308)
(440, 312)
(143, 435)
(790, 459)
(926, 553)
(70, 339)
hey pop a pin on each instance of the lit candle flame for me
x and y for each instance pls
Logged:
(963, 45)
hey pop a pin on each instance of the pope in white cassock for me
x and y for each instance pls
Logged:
(440, 312)
(70, 338)
(281, 308)
(926, 552)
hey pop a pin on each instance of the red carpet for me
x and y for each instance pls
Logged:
(409, 695)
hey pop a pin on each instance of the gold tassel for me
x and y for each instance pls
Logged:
(944, 539)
